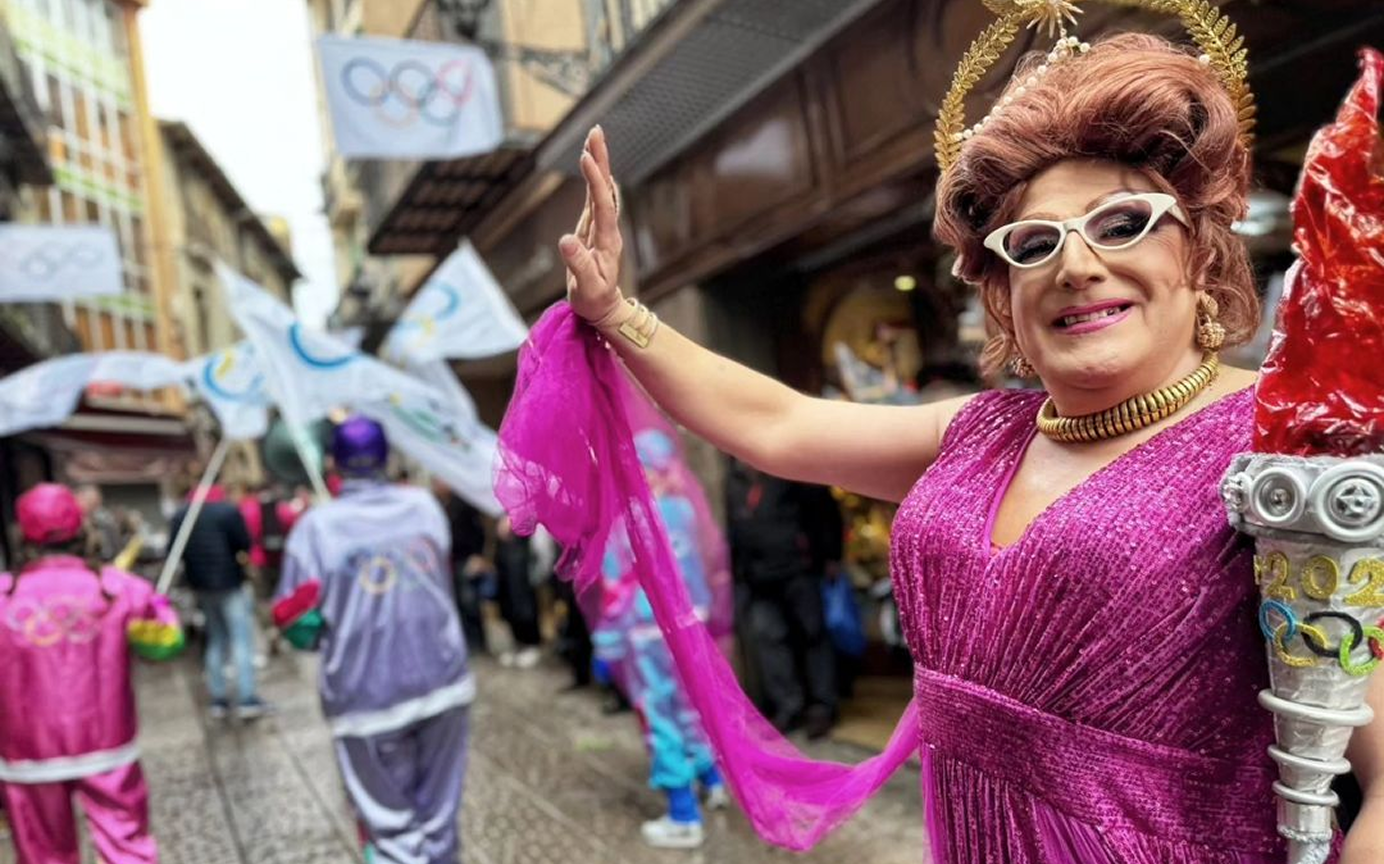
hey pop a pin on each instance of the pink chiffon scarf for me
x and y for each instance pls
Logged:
(567, 461)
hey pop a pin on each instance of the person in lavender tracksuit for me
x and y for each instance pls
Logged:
(367, 581)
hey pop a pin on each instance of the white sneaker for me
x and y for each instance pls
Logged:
(507, 659)
(664, 833)
(528, 658)
(717, 797)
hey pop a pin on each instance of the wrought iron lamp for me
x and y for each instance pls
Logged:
(464, 16)
(565, 70)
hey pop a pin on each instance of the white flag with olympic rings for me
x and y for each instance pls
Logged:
(402, 99)
(58, 262)
(307, 372)
(45, 394)
(461, 313)
(443, 434)
(231, 382)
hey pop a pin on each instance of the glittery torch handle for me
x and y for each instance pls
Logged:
(1318, 524)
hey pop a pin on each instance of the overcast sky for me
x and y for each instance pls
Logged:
(240, 74)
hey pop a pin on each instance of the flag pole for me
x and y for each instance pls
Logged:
(199, 497)
(319, 486)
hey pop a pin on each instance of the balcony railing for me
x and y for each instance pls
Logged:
(340, 198)
(614, 25)
(22, 122)
(36, 329)
(381, 182)
(611, 27)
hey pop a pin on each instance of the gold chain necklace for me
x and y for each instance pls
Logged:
(1132, 414)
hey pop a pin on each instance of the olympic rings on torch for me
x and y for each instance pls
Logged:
(1310, 633)
(1375, 635)
(1284, 612)
(409, 91)
(1280, 626)
(1356, 634)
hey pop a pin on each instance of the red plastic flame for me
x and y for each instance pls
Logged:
(1321, 390)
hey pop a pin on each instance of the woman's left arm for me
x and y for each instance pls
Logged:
(1365, 843)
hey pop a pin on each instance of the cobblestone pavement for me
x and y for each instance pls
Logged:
(550, 780)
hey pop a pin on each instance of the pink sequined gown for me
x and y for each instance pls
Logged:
(1085, 696)
(1088, 693)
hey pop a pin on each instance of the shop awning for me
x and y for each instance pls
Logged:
(108, 447)
(705, 59)
(689, 73)
(698, 63)
(29, 332)
(444, 200)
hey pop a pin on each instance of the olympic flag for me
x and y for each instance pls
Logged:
(461, 312)
(397, 99)
(444, 434)
(46, 393)
(58, 262)
(306, 372)
(231, 382)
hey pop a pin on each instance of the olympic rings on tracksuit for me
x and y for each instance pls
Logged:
(48, 621)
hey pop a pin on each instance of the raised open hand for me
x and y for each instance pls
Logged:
(592, 253)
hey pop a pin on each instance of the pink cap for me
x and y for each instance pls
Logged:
(49, 513)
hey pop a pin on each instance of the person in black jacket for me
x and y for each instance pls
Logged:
(469, 567)
(514, 563)
(213, 564)
(783, 537)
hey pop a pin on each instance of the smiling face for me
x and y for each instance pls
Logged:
(1091, 317)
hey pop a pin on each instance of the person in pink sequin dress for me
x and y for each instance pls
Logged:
(1081, 616)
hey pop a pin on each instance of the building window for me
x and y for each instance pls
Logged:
(78, 59)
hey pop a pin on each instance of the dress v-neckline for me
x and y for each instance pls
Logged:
(992, 553)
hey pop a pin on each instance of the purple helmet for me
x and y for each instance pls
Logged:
(359, 447)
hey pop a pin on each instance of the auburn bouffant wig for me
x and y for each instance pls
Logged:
(1133, 99)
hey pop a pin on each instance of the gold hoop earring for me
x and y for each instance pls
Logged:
(1210, 331)
(1020, 366)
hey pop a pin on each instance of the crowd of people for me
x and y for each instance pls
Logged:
(1086, 626)
(397, 587)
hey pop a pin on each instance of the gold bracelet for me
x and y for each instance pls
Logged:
(608, 319)
(639, 325)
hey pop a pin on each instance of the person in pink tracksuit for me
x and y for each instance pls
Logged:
(67, 709)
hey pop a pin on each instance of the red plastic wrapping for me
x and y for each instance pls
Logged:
(1321, 390)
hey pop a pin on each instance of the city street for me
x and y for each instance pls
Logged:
(833, 328)
(551, 779)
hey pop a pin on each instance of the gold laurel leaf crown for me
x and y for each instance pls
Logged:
(1221, 46)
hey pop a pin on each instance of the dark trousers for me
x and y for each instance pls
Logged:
(574, 638)
(519, 605)
(468, 595)
(792, 653)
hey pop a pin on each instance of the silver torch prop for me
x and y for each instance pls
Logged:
(1318, 524)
